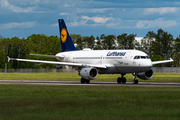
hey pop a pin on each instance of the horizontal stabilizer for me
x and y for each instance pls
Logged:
(47, 56)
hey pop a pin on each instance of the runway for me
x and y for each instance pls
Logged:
(92, 83)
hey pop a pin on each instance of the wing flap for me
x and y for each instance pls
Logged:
(58, 63)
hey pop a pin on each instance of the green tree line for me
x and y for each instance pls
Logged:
(158, 46)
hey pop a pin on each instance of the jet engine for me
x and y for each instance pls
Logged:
(88, 73)
(145, 75)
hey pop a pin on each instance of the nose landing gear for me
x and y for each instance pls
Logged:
(85, 81)
(135, 81)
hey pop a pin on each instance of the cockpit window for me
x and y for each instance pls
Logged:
(137, 57)
(147, 57)
(141, 57)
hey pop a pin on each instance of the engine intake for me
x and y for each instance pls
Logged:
(145, 75)
(89, 73)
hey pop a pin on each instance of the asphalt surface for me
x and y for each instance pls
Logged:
(92, 83)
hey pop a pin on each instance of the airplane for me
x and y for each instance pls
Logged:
(89, 63)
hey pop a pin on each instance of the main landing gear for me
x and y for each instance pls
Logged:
(85, 81)
(121, 79)
(135, 81)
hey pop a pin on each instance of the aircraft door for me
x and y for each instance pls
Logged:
(134, 61)
(102, 59)
(68, 58)
(126, 59)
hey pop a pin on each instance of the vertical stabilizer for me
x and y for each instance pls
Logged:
(66, 41)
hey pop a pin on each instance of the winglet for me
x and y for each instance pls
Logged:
(8, 58)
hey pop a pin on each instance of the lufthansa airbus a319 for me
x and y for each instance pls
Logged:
(89, 63)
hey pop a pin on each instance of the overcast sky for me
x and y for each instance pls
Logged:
(23, 18)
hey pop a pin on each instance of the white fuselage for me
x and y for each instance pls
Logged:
(116, 61)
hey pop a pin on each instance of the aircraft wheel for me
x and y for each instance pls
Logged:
(83, 80)
(123, 80)
(119, 80)
(87, 81)
(135, 81)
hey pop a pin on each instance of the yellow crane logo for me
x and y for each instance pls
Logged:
(63, 35)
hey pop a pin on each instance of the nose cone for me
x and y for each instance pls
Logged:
(145, 64)
(149, 63)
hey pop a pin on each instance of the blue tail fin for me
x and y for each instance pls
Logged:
(66, 41)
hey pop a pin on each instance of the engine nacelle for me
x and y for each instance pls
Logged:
(88, 73)
(145, 75)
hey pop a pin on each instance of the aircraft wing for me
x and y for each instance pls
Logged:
(59, 63)
(164, 61)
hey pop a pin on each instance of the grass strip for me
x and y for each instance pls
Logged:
(71, 76)
(88, 102)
